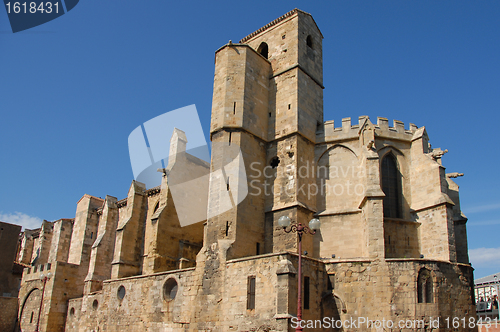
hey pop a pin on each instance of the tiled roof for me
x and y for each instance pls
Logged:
(273, 23)
(488, 279)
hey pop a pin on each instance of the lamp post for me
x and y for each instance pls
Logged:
(300, 229)
(44, 279)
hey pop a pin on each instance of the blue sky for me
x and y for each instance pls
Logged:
(73, 89)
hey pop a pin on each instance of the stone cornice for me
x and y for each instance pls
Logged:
(150, 192)
(121, 203)
(153, 191)
(302, 69)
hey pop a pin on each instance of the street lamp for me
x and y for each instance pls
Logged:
(44, 279)
(300, 229)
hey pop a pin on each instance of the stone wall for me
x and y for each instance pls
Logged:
(346, 290)
(26, 249)
(388, 290)
(401, 238)
(141, 307)
(84, 229)
(8, 316)
(42, 245)
(343, 235)
(64, 282)
(102, 250)
(145, 303)
(166, 242)
(9, 239)
(247, 229)
(61, 240)
(129, 243)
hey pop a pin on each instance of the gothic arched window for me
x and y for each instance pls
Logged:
(391, 185)
(424, 286)
(263, 50)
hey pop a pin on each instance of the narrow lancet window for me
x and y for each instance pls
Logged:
(424, 287)
(391, 185)
(251, 293)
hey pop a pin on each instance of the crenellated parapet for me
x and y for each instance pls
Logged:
(36, 272)
(347, 130)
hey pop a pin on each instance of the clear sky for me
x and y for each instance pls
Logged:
(73, 89)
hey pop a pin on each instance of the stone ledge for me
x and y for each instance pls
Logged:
(150, 275)
(283, 316)
(402, 221)
(337, 212)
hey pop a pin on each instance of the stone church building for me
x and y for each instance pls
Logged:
(392, 245)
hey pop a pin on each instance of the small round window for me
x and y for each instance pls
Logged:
(95, 304)
(121, 292)
(170, 289)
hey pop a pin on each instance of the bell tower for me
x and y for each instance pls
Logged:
(293, 46)
(268, 101)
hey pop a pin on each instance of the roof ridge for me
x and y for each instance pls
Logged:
(488, 279)
(273, 23)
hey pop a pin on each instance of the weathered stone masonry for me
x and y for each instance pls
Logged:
(392, 244)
